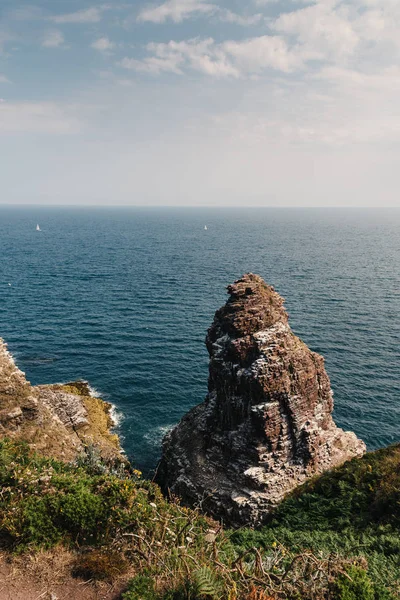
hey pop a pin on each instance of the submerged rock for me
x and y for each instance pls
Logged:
(266, 424)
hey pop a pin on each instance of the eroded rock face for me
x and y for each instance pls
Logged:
(266, 424)
(55, 420)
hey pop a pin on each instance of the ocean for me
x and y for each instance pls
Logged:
(123, 297)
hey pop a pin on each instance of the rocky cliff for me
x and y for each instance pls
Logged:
(56, 420)
(266, 424)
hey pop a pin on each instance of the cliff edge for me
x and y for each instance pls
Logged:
(58, 421)
(266, 425)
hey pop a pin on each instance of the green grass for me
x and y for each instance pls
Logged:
(335, 538)
(352, 511)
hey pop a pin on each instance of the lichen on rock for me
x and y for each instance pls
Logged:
(266, 424)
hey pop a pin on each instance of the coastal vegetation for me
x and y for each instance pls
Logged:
(67, 491)
(335, 538)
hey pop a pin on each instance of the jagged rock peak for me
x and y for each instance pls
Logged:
(253, 305)
(266, 424)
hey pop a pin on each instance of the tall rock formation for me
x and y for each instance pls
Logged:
(266, 424)
(59, 421)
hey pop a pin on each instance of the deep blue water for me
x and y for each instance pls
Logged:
(123, 298)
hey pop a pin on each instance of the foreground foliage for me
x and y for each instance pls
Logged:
(335, 538)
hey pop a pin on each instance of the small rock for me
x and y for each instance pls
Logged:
(14, 414)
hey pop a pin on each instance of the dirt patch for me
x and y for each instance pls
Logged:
(47, 576)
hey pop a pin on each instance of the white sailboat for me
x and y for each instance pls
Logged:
(38, 228)
(205, 227)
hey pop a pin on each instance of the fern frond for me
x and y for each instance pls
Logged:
(207, 583)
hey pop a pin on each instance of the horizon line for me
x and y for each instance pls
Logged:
(195, 206)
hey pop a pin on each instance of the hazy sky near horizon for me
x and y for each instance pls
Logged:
(200, 102)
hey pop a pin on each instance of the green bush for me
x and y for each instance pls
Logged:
(140, 587)
(354, 585)
(44, 502)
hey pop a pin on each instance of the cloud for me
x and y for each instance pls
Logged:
(265, 2)
(38, 117)
(324, 30)
(226, 59)
(200, 55)
(175, 10)
(362, 34)
(103, 44)
(340, 108)
(266, 52)
(319, 102)
(151, 65)
(53, 39)
(4, 79)
(386, 80)
(88, 15)
(179, 10)
(231, 17)
(155, 65)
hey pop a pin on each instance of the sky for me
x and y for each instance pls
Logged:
(200, 102)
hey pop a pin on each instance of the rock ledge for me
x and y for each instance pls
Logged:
(58, 421)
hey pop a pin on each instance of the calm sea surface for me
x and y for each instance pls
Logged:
(123, 298)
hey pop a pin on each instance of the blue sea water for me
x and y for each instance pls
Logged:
(123, 297)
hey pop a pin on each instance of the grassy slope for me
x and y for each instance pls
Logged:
(337, 537)
(353, 511)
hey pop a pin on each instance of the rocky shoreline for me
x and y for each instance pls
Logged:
(58, 420)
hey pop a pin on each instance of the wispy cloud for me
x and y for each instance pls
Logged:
(164, 63)
(319, 33)
(266, 2)
(200, 55)
(89, 15)
(53, 39)
(324, 29)
(180, 10)
(264, 52)
(4, 79)
(226, 59)
(38, 117)
(231, 17)
(175, 10)
(103, 44)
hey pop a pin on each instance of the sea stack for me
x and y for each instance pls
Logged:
(266, 424)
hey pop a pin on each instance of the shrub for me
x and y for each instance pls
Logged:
(44, 502)
(140, 587)
(354, 585)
